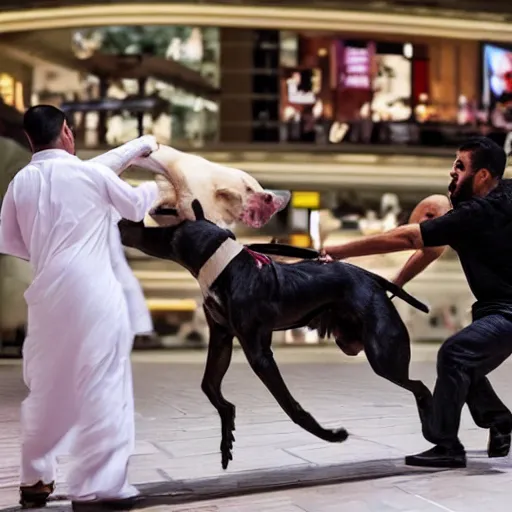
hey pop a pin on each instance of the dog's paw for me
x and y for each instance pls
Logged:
(226, 450)
(228, 426)
(337, 435)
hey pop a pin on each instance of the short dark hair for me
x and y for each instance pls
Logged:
(43, 124)
(486, 154)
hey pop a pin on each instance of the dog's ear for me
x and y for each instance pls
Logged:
(231, 195)
(198, 210)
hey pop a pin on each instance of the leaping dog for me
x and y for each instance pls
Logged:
(249, 296)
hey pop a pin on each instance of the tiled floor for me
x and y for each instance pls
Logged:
(178, 440)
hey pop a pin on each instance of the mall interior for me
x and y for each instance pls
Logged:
(355, 108)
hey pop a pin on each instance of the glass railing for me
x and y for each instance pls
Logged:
(437, 131)
(337, 135)
(392, 126)
(406, 137)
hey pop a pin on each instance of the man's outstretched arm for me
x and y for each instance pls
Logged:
(403, 238)
(439, 227)
(118, 159)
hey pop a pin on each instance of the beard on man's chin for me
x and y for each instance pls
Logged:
(463, 193)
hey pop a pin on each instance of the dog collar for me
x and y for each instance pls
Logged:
(219, 260)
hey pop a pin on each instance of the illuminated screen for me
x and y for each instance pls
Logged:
(497, 84)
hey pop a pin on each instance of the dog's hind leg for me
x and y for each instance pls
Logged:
(388, 351)
(220, 349)
(259, 354)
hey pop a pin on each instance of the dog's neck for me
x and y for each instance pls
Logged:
(203, 248)
(195, 243)
(218, 261)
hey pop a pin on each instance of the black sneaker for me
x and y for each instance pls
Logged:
(438, 457)
(35, 496)
(499, 443)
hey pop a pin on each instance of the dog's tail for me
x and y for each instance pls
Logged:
(399, 292)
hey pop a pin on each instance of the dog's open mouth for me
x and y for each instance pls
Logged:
(252, 218)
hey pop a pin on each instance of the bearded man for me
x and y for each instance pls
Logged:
(479, 229)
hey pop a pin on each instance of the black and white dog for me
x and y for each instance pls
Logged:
(249, 296)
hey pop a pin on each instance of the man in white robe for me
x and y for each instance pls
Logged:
(58, 214)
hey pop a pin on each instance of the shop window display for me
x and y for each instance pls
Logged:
(374, 92)
(358, 84)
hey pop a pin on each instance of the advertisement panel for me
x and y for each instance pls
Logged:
(497, 84)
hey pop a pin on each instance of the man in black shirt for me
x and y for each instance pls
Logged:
(479, 229)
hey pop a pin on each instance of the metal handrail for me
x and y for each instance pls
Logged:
(420, 6)
(485, 10)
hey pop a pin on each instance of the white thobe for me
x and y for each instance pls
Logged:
(57, 213)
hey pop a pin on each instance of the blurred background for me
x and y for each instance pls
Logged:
(356, 107)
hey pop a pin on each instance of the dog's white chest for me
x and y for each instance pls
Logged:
(219, 260)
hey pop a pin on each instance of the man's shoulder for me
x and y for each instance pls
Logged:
(501, 196)
(29, 171)
(98, 167)
(505, 186)
(494, 209)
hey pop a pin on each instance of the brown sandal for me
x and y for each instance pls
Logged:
(35, 496)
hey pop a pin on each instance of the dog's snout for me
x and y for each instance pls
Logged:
(280, 198)
(267, 198)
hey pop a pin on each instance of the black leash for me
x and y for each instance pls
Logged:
(285, 250)
(289, 251)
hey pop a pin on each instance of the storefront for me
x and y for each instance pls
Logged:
(349, 81)
(197, 86)
(360, 90)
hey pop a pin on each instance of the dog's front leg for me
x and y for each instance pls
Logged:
(220, 349)
(259, 354)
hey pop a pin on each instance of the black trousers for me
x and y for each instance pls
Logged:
(463, 362)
